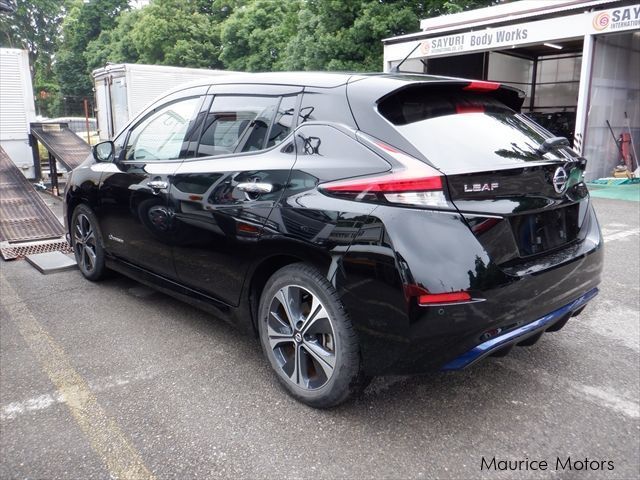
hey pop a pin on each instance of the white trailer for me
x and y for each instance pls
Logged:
(17, 108)
(123, 90)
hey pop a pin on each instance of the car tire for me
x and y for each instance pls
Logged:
(87, 244)
(311, 344)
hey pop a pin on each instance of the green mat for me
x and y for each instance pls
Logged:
(629, 191)
(615, 181)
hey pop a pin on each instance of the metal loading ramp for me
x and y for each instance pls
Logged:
(64, 145)
(27, 225)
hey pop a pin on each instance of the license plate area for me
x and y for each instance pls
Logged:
(541, 232)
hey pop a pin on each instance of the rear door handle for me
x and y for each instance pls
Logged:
(156, 185)
(257, 187)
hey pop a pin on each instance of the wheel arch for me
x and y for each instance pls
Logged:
(72, 203)
(77, 195)
(263, 270)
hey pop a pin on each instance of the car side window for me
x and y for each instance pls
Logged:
(118, 144)
(326, 107)
(237, 123)
(283, 122)
(161, 134)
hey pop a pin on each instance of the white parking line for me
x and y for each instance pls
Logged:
(608, 237)
(105, 437)
(600, 396)
(41, 402)
(12, 410)
(609, 399)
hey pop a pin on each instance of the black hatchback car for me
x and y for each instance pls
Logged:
(359, 225)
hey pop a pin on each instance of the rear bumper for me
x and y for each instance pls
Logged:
(397, 336)
(520, 334)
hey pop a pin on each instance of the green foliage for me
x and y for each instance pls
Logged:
(47, 92)
(346, 35)
(255, 37)
(246, 35)
(264, 35)
(167, 32)
(336, 35)
(114, 45)
(35, 27)
(173, 32)
(83, 23)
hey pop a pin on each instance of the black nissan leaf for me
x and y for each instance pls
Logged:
(358, 225)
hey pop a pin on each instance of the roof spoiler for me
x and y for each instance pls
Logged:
(510, 96)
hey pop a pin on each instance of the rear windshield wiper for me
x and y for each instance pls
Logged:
(552, 144)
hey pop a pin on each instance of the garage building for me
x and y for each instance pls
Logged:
(578, 61)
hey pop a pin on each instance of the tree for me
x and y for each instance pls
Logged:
(254, 37)
(345, 35)
(35, 27)
(169, 32)
(114, 45)
(173, 32)
(83, 23)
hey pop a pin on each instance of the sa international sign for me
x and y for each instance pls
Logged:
(618, 19)
(560, 28)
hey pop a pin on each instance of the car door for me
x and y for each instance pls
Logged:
(134, 215)
(222, 201)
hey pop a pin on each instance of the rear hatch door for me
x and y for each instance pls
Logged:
(520, 196)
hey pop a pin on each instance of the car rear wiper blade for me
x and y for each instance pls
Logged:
(552, 144)
(396, 69)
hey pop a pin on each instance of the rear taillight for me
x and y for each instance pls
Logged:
(426, 298)
(439, 298)
(470, 109)
(481, 86)
(414, 183)
(388, 183)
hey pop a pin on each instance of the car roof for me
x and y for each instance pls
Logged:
(306, 79)
(321, 79)
(309, 79)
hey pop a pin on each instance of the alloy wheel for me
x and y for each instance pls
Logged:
(301, 337)
(84, 243)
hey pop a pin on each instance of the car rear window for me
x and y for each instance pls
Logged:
(460, 131)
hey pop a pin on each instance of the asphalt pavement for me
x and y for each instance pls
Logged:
(115, 380)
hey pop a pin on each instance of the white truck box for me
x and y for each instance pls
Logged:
(17, 108)
(123, 90)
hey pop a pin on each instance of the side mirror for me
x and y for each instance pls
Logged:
(104, 151)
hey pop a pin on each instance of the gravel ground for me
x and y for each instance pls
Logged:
(116, 380)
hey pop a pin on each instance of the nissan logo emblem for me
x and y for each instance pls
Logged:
(560, 179)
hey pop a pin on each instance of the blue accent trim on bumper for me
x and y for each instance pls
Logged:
(513, 336)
